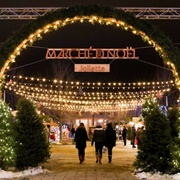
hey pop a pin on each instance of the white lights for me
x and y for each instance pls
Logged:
(95, 97)
(92, 19)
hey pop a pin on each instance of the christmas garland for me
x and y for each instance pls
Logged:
(167, 51)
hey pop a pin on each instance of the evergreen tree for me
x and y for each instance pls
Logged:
(32, 143)
(173, 116)
(155, 151)
(7, 142)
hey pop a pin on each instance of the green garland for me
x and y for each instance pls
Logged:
(171, 53)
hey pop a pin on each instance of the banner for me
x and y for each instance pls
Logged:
(92, 68)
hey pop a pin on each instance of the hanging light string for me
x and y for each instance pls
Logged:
(65, 94)
(53, 101)
(91, 19)
(85, 95)
(77, 104)
(88, 85)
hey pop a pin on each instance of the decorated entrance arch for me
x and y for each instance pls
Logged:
(35, 30)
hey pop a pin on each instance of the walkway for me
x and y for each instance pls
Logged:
(64, 164)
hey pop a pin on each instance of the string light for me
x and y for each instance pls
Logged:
(92, 19)
(107, 100)
(109, 97)
(6, 141)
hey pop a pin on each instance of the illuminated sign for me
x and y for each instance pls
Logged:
(92, 68)
(91, 53)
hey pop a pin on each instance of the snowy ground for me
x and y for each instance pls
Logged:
(29, 172)
(157, 176)
(66, 154)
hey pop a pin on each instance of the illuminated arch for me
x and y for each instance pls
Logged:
(92, 14)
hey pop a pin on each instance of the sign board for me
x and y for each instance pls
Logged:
(92, 68)
(91, 53)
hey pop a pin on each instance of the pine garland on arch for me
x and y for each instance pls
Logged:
(170, 53)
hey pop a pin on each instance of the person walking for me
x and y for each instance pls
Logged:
(98, 138)
(124, 134)
(139, 136)
(72, 132)
(133, 136)
(110, 140)
(80, 139)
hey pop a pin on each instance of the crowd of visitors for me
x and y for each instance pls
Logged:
(104, 137)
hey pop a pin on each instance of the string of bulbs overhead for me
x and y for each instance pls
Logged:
(86, 96)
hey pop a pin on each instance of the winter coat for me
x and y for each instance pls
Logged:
(133, 133)
(81, 137)
(110, 138)
(99, 135)
(124, 132)
(139, 134)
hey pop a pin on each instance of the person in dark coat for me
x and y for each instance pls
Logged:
(80, 138)
(133, 136)
(98, 138)
(124, 135)
(110, 140)
(72, 132)
(139, 136)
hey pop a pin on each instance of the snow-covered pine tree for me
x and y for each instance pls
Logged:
(155, 152)
(7, 142)
(32, 142)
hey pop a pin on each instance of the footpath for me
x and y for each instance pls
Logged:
(64, 164)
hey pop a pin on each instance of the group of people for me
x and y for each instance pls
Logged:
(101, 137)
(135, 136)
(104, 137)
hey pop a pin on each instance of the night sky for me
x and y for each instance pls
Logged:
(60, 3)
(98, 36)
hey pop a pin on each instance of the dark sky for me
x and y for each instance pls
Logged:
(60, 3)
(86, 35)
